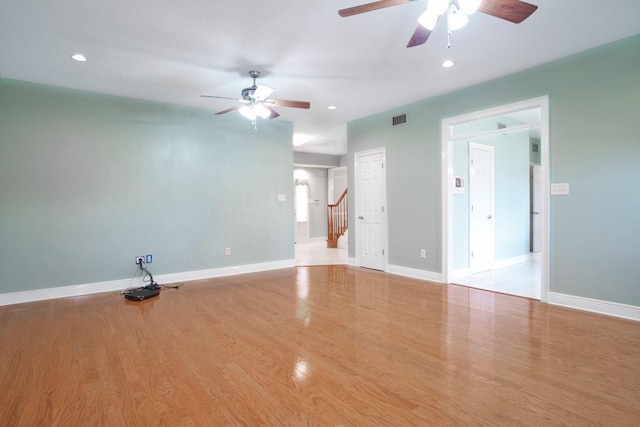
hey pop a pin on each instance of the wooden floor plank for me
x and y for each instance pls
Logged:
(321, 345)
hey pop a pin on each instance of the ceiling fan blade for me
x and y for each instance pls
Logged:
(420, 36)
(514, 11)
(273, 112)
(368, 7)
(228, 110)
(262, 92)
(287, 103)
(218, 97)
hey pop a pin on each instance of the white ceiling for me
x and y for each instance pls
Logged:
(173, 51)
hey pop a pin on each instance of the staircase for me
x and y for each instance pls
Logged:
(337, 215)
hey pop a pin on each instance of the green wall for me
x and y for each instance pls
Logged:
(88, 182)
(594, 102)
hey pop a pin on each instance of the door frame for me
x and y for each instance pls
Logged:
(534, 230)
(358, 203)
(447, 180)
(490, 150)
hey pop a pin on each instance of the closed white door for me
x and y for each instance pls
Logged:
(370, 195)
(481, 236)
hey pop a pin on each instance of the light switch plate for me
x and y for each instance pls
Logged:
(282, 197)
(560, 189)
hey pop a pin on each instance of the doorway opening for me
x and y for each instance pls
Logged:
(311, 197)
(496, 198)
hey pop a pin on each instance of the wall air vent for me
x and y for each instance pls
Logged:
(501, 125)
(399, 120)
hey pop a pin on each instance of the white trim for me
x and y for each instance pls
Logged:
(616, 309)
(119, 285)
(66, 291)
(447, 177)
(224, 271)
(415, 273)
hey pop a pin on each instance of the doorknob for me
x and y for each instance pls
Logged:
(360, 217)
(489, 217)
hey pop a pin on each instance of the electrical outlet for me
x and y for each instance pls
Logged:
(139, 260)
(227, 251)
(149, 259)
(423, 253)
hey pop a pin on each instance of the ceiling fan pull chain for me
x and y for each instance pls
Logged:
(448, 30)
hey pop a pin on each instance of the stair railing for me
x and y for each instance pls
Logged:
(337, 220)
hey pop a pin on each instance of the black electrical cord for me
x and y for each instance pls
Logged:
(148, 277)
(152, 284)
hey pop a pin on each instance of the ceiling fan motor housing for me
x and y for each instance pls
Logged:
(247, 93)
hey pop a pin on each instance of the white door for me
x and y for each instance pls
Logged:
(536, 209)
(370, 198)
(480, 207)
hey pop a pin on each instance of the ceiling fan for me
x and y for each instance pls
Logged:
(255, 103)
(457, 12)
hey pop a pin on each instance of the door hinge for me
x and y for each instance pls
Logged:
(383, 209)
(471, 254)
(382, 165)
(383, 252)
(471, 162)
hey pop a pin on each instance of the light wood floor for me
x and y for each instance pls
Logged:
(332, 345)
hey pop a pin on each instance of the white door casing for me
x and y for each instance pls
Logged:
(448, 139)
(370, 215)
(536, 209)
(481, 221)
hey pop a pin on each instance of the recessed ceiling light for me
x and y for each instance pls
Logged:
(79, 57)
(448, 63)
(332, 107)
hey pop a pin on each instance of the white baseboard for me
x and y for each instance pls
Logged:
(224, 271)
(415, 273)
(118, 285)
(596, 306)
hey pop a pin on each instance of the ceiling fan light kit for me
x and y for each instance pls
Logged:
(252, 111)
(456, 18)
(457, 13)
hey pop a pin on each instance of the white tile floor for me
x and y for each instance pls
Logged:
(316, 253)
(522, 279)
(519, 279)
